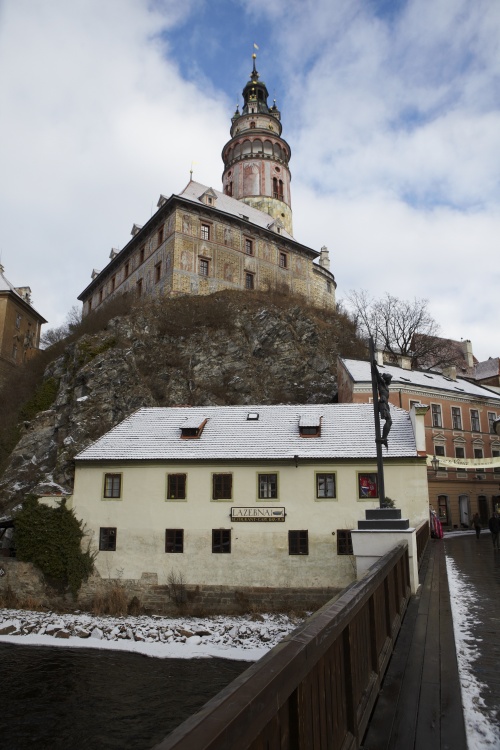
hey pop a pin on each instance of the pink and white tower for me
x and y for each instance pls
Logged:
(256, 158)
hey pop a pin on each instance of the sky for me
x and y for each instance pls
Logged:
(391, 109)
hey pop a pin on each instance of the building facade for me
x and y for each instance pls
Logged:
(242, 497)
(20, 325)
(202, 240)
(459, 434)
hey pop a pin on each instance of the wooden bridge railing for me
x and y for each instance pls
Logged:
(316, 689)
(423, 536)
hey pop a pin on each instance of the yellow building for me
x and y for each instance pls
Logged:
(20, 325)
(240, 497)
(202, 240)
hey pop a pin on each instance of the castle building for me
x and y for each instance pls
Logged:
(203, 240)
(20, 325)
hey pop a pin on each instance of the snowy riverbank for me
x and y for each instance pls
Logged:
(244, 638)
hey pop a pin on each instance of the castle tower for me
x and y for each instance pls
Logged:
(256, 158)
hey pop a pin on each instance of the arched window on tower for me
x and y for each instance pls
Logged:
(229, 188)
(280, 190)
(275, 187)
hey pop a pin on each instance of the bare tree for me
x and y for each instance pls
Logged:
(403, 328)
(71, 324)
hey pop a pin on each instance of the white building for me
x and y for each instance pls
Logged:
(243, 496)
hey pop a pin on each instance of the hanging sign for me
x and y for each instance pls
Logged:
(465, 463)
(269, 514)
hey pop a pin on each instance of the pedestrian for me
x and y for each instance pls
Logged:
(476, 522)
(494, 526)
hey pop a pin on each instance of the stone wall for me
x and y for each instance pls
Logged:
(22, 584)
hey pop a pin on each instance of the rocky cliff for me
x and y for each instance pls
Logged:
(228, 348)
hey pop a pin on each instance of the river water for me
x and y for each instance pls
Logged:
(91, 699)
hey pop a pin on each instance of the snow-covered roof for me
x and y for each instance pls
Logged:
(360, 372)
(6, 286)
(195, 190)
(488, 369)
(347, 431)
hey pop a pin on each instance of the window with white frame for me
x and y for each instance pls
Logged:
(456, 418)
(475, 423)
(437, 417)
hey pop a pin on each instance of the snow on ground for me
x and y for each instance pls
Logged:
(480, 724)
(241, 638)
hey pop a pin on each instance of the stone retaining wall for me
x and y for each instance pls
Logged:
(25, 582)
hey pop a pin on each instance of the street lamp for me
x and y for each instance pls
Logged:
(435, 463)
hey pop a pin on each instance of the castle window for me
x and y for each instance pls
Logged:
(127, 270)
(141, 255)
(112, 485)
(491, 419)
(248, 246)
(325, 485)
(283, 260)
(456, 418)
(160, 236)
(367, 486)
(268, 486)
(298, 542)
(252, 124)
(275, 187)
(18, 321)
(176, 487)
(221, 541)
(205, 231)
(204, 267)
(344, 542)
(437, 420)
(107, 539)
(174, 540)
(229, 188)
(222, 486)
(280, 190)
(157, 272)
(249, 280)
(113, 283)
(474, 420)
(90, 305)
(100, 296)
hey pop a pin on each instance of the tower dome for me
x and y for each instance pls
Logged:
(256, 157)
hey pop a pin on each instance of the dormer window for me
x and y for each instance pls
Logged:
(310, 426)
(192, 428)
(209, 197)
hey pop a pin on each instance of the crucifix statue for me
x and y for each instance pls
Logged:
(381, 409)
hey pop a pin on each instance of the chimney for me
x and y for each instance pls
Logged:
(417, 417)
(450, 372)
(467, 350)
(324, 258)
(404, 362)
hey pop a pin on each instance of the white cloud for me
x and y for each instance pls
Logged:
(96, 123)
(393, 121)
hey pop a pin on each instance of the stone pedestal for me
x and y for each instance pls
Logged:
(381, 531)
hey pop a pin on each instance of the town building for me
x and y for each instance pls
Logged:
(202, 240)
(20, 325)
(243, 497)
(463, 450)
